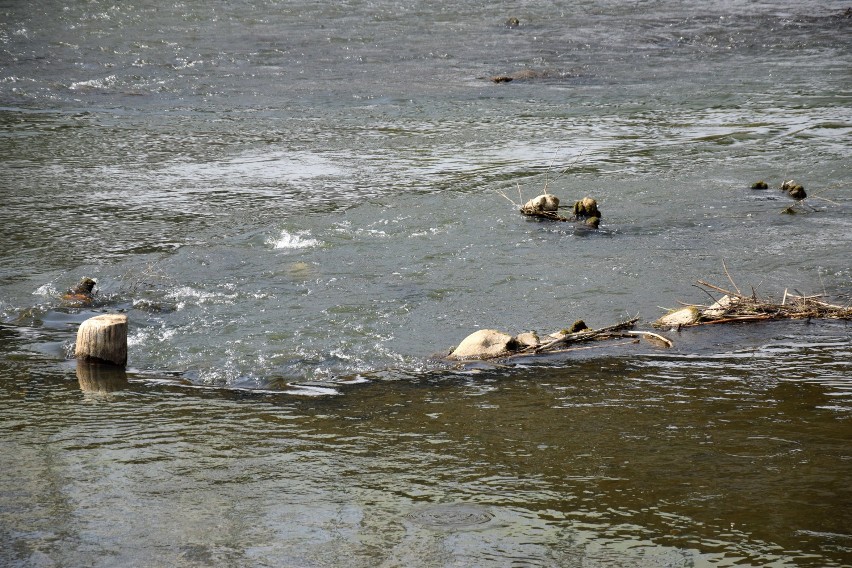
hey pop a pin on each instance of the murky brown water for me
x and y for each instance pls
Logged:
(657, 460)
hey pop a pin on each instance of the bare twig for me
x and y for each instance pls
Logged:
(728, 274)
(507, 199)
(653, 335)
(722, 290)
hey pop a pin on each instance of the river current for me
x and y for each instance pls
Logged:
(302, 206)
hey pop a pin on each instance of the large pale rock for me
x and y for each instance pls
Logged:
(485, 344)
(545, 202)
(103, 338)
(684, 316)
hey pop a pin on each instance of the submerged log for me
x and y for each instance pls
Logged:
(103, 338)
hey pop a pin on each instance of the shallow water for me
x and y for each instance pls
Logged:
(298, 206)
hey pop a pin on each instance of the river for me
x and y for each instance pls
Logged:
(301, 206)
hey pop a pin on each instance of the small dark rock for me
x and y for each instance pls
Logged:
(81, 294)
(577, 326)
(797, 192)
(85, 286)
(760, 185)
(513, 23)
(586, 208)
(794, 190)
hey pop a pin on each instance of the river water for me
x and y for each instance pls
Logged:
(298, 205)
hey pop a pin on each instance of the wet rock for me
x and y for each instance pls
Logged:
(586, 208)
(513, 23)
(684, 316)
(593, 222)
(760, 185)
(485, 344)
(794, 190)
(81, 294)
(545, 202)
(797, 192)
(524, 75)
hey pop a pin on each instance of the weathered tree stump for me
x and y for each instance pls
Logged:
(103, 338)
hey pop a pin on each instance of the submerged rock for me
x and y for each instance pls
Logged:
(760, 185)
(485, 344)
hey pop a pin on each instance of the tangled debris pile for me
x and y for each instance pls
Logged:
(737, 307)
(493, 344)
(733, 306)
(546, 206)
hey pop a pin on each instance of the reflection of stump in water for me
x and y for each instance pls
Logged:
(100, 378)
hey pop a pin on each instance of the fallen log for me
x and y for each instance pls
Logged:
(492, 344)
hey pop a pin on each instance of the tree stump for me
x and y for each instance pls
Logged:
(103, 338)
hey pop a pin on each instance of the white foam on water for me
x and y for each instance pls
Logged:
(288, 240)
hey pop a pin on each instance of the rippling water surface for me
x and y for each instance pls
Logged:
(298, 205)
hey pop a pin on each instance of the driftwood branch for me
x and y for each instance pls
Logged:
(585, 335)
(652, 335)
